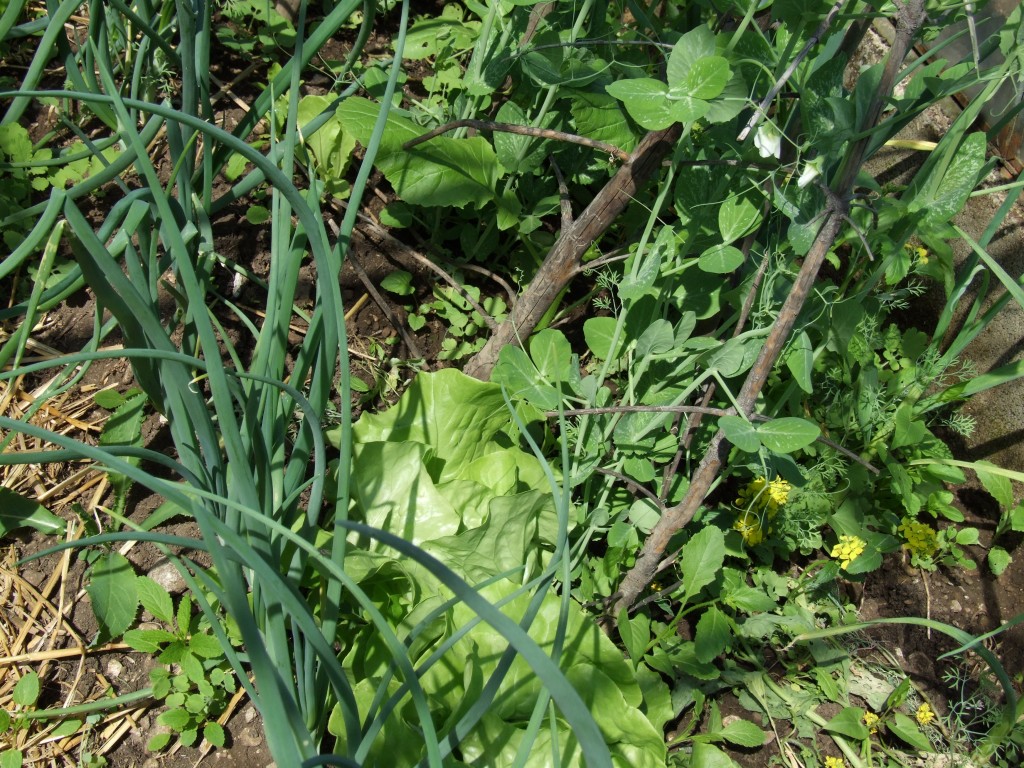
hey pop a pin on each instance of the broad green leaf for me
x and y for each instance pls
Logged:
(11, 758)
(684, 108)
(998, 560)
(431, 34)
(516, 371)
(849, 722)
(713, 634)
(787, 434)
(907, 430)
(635, 634)
(695, 45)
(176, 719)
(959, 180)
(902, 727)
(26, 690)
(646, 101)
(740, 433)
(997, 484)
(205, 646)
(552, 354)
(707, 77)
(599, 333)
(513, 150)
(257, 214)
(155, 599)
(113, 589)
(657, 339)
(599, 116)
(331, 146)
(701, 560)
(66, 728)
(738, 216)
(720, 259)
(709, 756)
(742, 733)
(800, 361)
(440, 172)
(18, 512)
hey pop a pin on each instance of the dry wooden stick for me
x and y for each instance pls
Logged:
(564, 259)
(910, 16)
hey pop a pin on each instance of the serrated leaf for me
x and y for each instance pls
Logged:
(214, 734)
(192, 666)
(148, 640)
(113, 590)
(155, 599)
(159, 741)
(787, 434)
(998, 560)
(720, 259)
(742, 733)
(176, 719)
(713, 634)
(205, 646)
(26, 690)
(701, 560)
(740, 433)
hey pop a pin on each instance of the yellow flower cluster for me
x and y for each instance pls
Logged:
(920, 539)
(847, 550)
(919, 251)
(835, 762)
(924, 714)
(759, 502)
(871, 721)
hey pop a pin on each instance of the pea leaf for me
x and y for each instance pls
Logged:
(720, 259)
(787, 434)
(740, 433)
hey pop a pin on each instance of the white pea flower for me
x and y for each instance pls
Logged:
(812, 170)
(768, 141)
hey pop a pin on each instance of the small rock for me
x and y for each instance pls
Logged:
(167, 576)
(250, 737)
(955, 607)
(113, 667)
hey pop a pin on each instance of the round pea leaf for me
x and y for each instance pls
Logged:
(720, 259)
(788, 434)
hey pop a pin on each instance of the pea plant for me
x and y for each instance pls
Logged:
(695, 420)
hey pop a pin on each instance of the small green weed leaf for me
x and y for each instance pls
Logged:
(713, 634)
(5, 720)
(176, 719)
(124, 428)
(1017, 518)
(599, 333)
(800, 361)
(738, 216)
(205, 646)
(907, 430)
(189, 736)
(849, 723)
(159, 741)
(155, 599)
(257, 214)
(740, 433)
(742, 733)
(26, 690)
(967, 536)
(192, 666)
(66, 728)
(148, 640)
(18, 512)
(998, 485)
(432, 34)
(906, 729)
(214, 734)
(398, 282)
(114, 592)
(899, 694)
(396, 215)
(998, 560)
(788, 434)
(709, 756)
(720, 259)
(235, 166)
(416, 322)
(701, 561)
(11, 758)
(646, 101)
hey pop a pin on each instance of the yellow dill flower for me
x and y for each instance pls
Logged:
(871, 721)
(835, 762)
(847, 550)
(918, 251)
(760, 494)
(924, 714)
(920, 539)
(749, 525)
